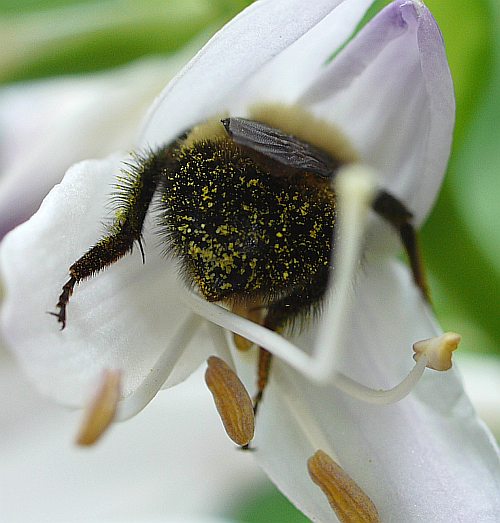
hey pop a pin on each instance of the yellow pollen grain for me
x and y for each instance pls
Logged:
(349, 502)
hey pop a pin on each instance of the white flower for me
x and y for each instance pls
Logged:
(425, 458)
(137, 474)
(48, 125)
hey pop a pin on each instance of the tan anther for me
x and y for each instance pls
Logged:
(438, 350)
(350, 503)
(232, 401)
(101, 411)
(250, 312)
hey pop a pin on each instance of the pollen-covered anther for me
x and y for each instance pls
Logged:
(102, 409)
(232, 401)
(350, 503)
(437, 350)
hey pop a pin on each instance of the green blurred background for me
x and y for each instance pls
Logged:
(460, 240)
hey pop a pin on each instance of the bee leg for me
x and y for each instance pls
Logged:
(263, 372)
(134, 197)
(395, 212)
(283, 312)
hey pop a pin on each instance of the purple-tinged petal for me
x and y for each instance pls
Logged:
(426, 458)
(288, 74)
(214, 81)
(390, 91)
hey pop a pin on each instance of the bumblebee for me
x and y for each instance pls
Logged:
(248, 207)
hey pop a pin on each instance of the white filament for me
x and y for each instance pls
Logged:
(356, 188)
(297, 358)
(301, 412)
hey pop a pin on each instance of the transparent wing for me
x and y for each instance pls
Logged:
(280, 147)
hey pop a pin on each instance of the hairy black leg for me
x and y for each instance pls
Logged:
(395, 212)
(263, 373)
(135, 190)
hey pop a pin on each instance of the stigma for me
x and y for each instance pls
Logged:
(438, 350)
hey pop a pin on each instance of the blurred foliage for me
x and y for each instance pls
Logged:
(54, 37)
(266, 505)
(461, 240)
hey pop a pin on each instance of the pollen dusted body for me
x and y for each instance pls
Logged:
(245, 233)
(247, 206)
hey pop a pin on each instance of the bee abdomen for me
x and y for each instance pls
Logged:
(238, 229)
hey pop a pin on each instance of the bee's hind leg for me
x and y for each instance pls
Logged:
(263, 373)
(395, 212)
(285, 312)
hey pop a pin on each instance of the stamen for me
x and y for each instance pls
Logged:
(344, 495)
(356, 187)
(147, 390)
(232, 401)
(350, 503)
(438, 350)
(298, 359)
(221, 341)
(102, 410)
(299, 408)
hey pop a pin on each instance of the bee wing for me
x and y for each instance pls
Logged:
(279, 146)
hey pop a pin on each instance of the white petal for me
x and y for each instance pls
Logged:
(206, 86)
(284, 78)
(49, 125)
(172, 461)
(481, 375)
(391, 92)
(123, 318)
(426, 458)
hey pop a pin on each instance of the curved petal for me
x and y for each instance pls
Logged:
(285, 77)
(63, 121)
(426, 458)
(156, 464)
(123, 318)
(391, 92)
(218, 73)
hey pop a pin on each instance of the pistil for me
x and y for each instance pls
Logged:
(438, 350)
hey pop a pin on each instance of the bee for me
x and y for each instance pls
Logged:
(248, 207)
